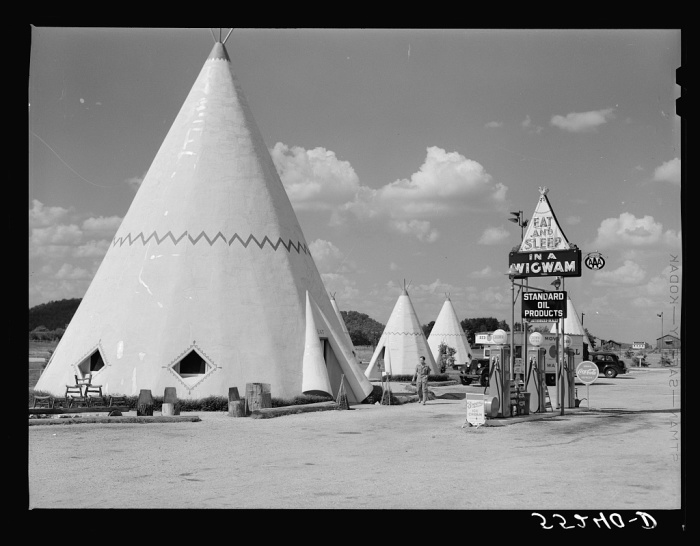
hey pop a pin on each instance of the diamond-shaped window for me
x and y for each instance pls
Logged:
(92, 363)
(192, 367)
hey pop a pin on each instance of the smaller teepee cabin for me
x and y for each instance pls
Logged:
(573, 326)
(402, 343)
(448, 330)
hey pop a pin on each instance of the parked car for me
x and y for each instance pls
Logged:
(478, 370)
(609, 364)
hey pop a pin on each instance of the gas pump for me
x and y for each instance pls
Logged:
(569, 379)
(499, 378)
(536, 383)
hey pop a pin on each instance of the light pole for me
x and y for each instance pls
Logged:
(582, 315)
(661, 339)
(517, 219)
(556, 283)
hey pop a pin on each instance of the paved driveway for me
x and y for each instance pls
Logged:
(622, 454)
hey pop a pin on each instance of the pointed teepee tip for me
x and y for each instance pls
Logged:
(219, 52)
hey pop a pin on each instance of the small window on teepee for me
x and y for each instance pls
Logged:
(93, 363)
(192, 365)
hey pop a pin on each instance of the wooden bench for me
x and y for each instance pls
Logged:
(43, 401)
(74, 395)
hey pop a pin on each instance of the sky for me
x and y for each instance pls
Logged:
(403, 152)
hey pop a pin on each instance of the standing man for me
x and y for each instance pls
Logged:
(421, 380)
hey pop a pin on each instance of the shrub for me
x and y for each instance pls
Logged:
(388, 399)
(374, 396)
(666, 361)
(300, 400)
(445, 356)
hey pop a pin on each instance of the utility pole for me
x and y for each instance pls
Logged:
(517, 219)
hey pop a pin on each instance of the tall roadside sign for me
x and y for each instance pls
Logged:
(545, 252)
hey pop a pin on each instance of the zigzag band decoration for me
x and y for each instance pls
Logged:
(299, 246)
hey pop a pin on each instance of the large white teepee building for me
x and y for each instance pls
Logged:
(208, 283)
(404, 341)
(448, 330)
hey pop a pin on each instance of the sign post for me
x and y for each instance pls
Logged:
(587, 372)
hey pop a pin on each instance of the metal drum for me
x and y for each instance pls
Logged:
(490, 406)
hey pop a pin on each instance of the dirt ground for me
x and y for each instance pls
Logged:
(621, 454)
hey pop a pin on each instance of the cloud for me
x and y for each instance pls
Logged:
(494, 124)
(630, 273)
(329, 258)
(527, 124)
(92, 249)
(393, 266)
(57, 235)
(627, 230)
(424, 296)
(135, 182)
(580, 122)
(65, 250)
(42, 216)
(71, 272)
(669, 172)
(447, 183)
(490, 297)
(314, 179)
(101, 226)
(494, 236)
(419, 228)
(484, 273)
(573, 220)
(343, 288)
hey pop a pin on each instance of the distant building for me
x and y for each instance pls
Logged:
(668, 342)
(610, 345)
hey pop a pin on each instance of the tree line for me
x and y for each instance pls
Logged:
(48, 321)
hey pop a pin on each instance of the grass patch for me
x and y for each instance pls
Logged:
(407, 378)
(208, 403)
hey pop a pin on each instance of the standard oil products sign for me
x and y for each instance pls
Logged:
(544, 306)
